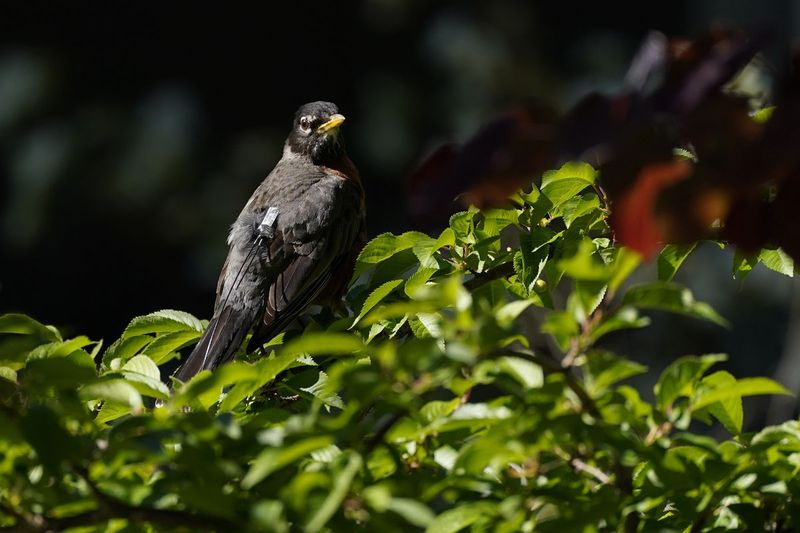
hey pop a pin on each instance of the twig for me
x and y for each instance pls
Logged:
(595, 472)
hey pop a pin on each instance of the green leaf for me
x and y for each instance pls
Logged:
(454, 520)
(606, 369)
(777, 260)
(266, 370)
(529, 374)
(24, 325)
(112, 390)
(762, 116)
(141, 372)
(414, 512)
(272, 459)
(625, 262)
(204, 389)
(59, 348)
(580, 206)
(424, 325)
(562, 326)
(626, 317)
(563, 184)
(8, 373)
(671, 258)
(585, 297)
(418, 280)
(742, 387)
(585, 264)
(125, 348)
(160, 349)
(324, 343)
(375, 298)
(143, 365)
(727, 410)
(743, 263)
(681, 377)
(509, 312)
(666, 296)
(165, 321)
(463, 226)
(324, 392)
(383, 247)
(57, 372)
(336, 496)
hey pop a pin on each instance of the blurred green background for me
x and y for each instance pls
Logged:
(132, 134)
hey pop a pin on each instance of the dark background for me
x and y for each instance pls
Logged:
(131, 135)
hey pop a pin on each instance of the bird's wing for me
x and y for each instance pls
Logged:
(314, 234)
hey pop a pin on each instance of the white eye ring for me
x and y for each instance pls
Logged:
(305, 123)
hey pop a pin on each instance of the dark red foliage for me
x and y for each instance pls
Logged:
(744, 186)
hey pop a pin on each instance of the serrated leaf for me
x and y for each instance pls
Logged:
(266, 370)
(562, 326)
(527, 373)
(337, 494)
(666, 296)
(626, 317)
(462, 225)
(742, 387)
(125, 348)
(681, 377)
(272, 459)
(425, 325)
(743, 264)
(584, 264)
(143, 365)
(323, 392)
(671, 258)
(111, 411)
(57, 372)
(563, 184)
(727, 410)
(376, 297)
(323, 343)
(59, 348)
(112, 390)
(509, 312)
(585, 297)
(383, 247)
(777, 260)
(166, 344)
(20, 324)
(624, 263)
(164, 321)
(418, 280)
(606, 369)
(8, 373)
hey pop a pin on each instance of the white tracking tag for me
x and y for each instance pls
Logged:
(267, 223)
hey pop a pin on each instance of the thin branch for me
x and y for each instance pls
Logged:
(595, 472)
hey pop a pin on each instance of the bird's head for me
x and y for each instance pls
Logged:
(315, 133)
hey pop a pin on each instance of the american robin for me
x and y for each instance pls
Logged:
(294, 244)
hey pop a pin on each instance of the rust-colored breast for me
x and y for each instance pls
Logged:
(336, 288)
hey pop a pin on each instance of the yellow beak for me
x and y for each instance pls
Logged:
(334, 122)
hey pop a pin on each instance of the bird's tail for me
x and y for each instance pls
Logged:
(223, 337)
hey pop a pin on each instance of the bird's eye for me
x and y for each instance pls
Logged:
(305, 123)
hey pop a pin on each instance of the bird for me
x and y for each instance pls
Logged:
(294, 244)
